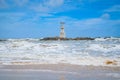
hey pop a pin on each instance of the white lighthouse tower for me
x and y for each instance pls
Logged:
(62, 32)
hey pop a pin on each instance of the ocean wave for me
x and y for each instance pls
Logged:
(105, 52)
(107, 39)
(59, 59)
(104, 47)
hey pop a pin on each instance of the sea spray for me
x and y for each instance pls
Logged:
(98, 52)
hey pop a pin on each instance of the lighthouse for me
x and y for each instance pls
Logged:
(62, 32)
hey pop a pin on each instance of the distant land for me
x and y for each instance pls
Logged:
(77, 38)
(58, 38)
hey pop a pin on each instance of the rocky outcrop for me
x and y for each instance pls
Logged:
(57, 38)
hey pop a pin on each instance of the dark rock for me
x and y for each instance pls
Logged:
(58, 38)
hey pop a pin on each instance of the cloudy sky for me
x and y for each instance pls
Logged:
(41, 18)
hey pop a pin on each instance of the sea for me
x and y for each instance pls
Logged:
(98, 52)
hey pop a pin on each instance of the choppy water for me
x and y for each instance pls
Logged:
(98, 52)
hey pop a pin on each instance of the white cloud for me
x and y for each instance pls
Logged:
(115, 8)
(3, 4)
(21, 2)
(38, 16)
(77, 26)
(11, 14)
(83, 2)
(12, 3)
(54, 3)
(105, 16)
(55, 6)
(101, 22)
(40, 8)
(47, 5)
(10, 17)
(71, 24)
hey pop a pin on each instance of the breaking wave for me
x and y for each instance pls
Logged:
(98, 52)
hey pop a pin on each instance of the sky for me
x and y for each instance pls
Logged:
(41, 18)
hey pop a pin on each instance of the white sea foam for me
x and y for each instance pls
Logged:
(34, 51)
(107, 39)
(104, 47)
(100, 39)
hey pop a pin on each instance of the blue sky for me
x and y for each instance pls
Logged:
(41, 18)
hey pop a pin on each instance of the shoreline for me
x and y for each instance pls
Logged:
(54, 66)
(58, 72)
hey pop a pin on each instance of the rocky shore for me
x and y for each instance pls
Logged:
(58, 38)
